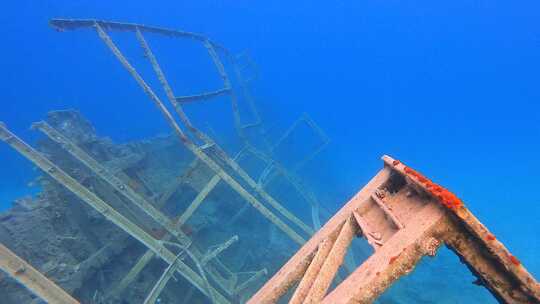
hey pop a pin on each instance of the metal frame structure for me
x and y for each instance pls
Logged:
(157, 246)
(175, 245)
(32, 279)
(172, 227)
(403, 216)
(209, 151)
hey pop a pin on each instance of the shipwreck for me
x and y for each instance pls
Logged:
(170, 219)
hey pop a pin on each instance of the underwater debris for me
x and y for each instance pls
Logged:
(108, 206)
(99, 178)
(425, 227)
(173, 204)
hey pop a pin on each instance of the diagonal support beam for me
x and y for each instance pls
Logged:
(197, 201)
(233, 164)
(147, 257)
(171, 189)
(107, 211)
(191, 146)
(331, 264)
(295, 268)
(132, 275)
(116, 183)
(402, 249)
(32, 279)
(431, 216)
(152, 297)
(311, 274)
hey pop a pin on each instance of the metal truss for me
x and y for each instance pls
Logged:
(175, 246)
(403, 216)
(157, 246)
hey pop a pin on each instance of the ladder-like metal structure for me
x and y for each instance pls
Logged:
(172, 227)
(206, 150)
(175, 247)
(215, 157)
(157, 246)
(403, 216)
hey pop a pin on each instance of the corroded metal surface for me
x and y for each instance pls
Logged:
(106, 210)
(24, 273)
(118, 188)
(404, 216)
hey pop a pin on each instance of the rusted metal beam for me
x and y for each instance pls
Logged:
(32, 279)
(331, 264)
(295, 268)
(395, 258)
(499, 271)
(312, 271)
(430, 216)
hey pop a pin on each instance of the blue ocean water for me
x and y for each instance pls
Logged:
(449, 88)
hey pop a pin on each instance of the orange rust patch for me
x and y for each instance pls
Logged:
(514, 260)
(447, 198)
(396, 162)
(393, 259)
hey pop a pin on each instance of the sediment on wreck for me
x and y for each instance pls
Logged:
(76, 247)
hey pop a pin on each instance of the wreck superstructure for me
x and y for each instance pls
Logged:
(404, 216)
(127, 199)
(171, 219)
